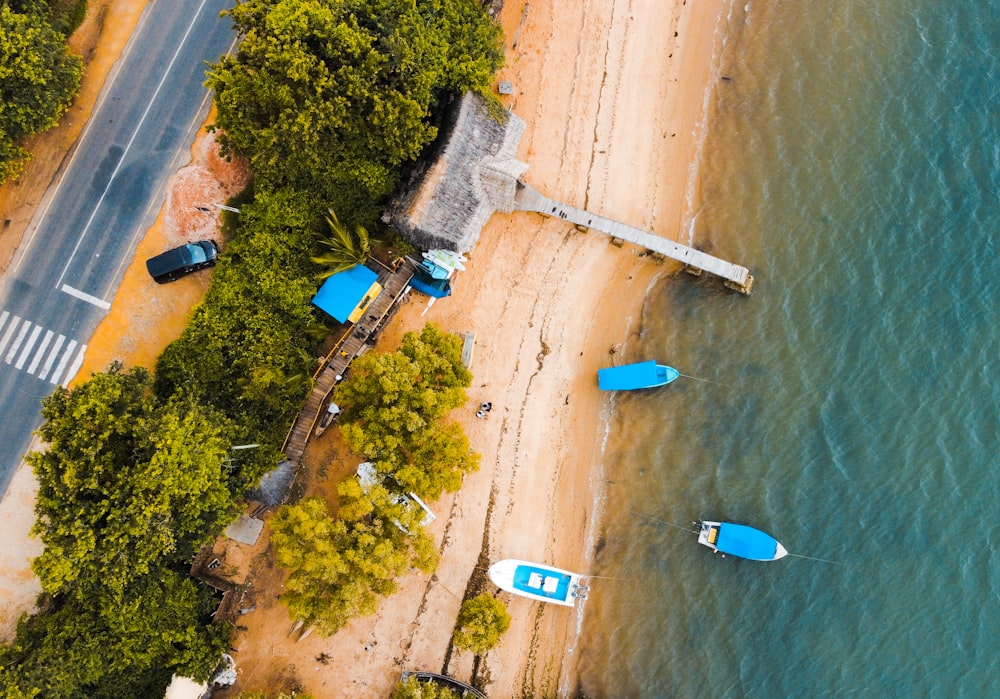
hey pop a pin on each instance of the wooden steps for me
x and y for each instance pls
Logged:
(350, 345)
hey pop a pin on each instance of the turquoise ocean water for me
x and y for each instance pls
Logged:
(853, 163)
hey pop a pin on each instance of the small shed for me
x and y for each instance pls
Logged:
(470, 173)
(345, 296)
(245, 530)
(186, 688)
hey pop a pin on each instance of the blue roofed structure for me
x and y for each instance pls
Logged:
(346, 295)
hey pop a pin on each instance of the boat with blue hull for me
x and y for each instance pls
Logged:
(538, 581)
(629, 377)
(740, 540)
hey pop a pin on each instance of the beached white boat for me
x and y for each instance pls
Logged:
(537, 581)
(740, 540)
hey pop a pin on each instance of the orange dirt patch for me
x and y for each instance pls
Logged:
(145, 316)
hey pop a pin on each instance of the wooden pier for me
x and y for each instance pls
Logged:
(350, 345)
(736, 277)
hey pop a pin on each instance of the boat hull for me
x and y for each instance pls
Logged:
(537, 581)
(741, 541)
(629, 377)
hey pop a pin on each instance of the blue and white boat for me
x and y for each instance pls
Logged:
(537, 581)
(740, 540)
(628, 377)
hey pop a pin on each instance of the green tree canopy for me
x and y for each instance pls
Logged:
(436, 461)
(124, 482)
(482, 620)
(339, 568)
(333, 96)
(393, 404)
(405, 390)
(38, 80)
(344, 249)
(412, 689)
(115, 646)
(247, 350)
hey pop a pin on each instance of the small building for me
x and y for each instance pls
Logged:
(345, 296)
(470, 173)
(186, 688)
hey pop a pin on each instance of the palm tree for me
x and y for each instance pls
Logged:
(346, 249)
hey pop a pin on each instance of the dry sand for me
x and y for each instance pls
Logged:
(612, 92)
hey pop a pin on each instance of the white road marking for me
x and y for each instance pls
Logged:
(84, 296)
(52, 357)
(41, 351)
(74, 367)
(61, 366)
(10, 331)
(17, 341)
(27, 347)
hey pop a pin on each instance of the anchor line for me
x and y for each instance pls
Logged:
(669, 524)
(821, 560)
(717, 383)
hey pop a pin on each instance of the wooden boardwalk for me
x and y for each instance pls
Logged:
(737, 277)
(351, 344)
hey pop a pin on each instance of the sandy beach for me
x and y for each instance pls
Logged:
(613, 95)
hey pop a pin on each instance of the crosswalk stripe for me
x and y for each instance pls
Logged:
(27, 347)
(25, 326)
(22, 343)
(41, 351)
(7, 335)
(52, 357)
(74, 367)
(61, 366)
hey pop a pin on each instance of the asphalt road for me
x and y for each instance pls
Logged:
(74, 253)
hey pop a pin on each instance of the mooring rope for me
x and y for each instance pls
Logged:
(669, 524)
(821, 560)
(717, 383)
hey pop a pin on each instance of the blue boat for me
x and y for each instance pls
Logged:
(740, 540)
(424, 282)
(537, 581)
(631, 376)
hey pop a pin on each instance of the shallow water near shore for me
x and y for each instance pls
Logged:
(853, 164)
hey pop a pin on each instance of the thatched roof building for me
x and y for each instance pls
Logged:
(473, 174)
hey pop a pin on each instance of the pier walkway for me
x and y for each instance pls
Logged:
(351, 344)
(736, 277)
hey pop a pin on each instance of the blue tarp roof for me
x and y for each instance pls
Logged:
(341, 293)
(746, 542)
